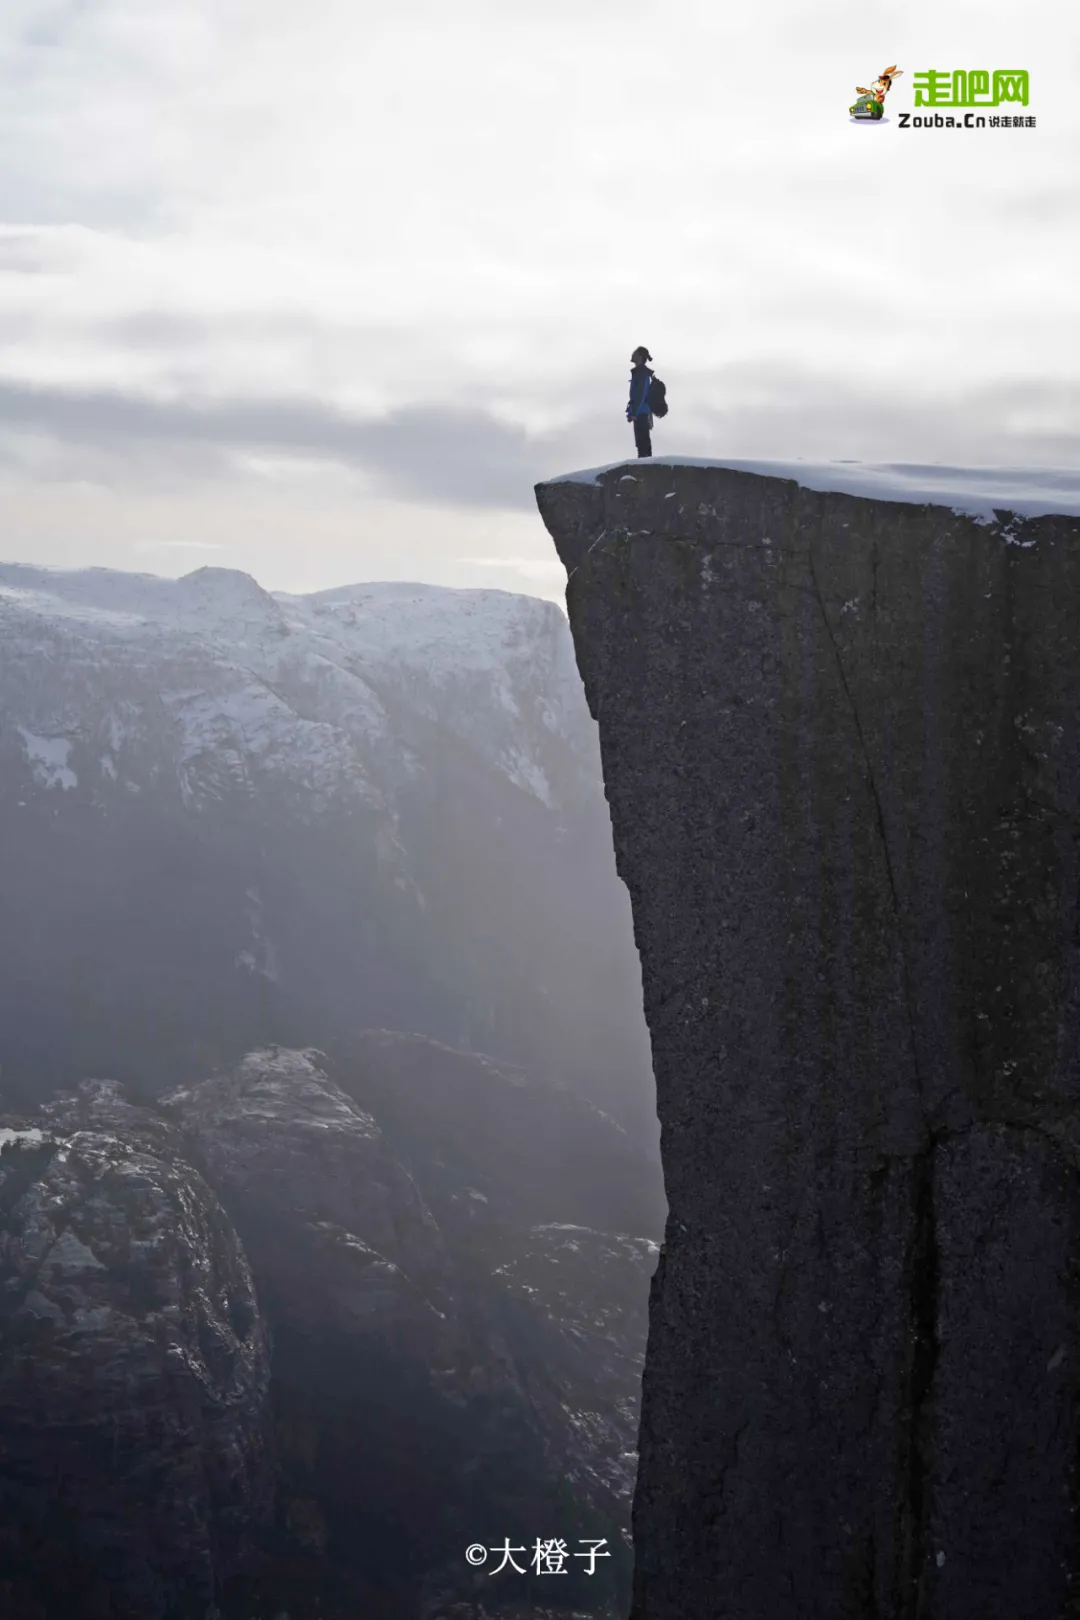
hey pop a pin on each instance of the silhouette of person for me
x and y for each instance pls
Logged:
(637, 410)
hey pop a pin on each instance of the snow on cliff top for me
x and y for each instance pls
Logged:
(974, 491)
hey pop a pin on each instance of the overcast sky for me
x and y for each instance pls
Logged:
(318, 290)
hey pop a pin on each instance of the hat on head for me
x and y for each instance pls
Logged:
(641, 349)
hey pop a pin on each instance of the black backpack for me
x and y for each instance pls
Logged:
(657, 397)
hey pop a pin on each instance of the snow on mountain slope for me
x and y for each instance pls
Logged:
(229, 816)
(226, 681)
(495, 668)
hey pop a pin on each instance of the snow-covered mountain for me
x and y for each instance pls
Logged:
(306, 686)
(230, 815)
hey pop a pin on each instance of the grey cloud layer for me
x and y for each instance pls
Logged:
(421, 452)
(470, 458)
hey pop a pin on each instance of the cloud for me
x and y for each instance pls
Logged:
(1044, 205)
(176, 545)
(468, 457)
(24, 253)
(250, 289)
(539, 568)
(464, 457)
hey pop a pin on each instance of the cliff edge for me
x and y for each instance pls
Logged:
(840, 722)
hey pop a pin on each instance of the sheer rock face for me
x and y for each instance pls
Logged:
(841, 746)
(135, 1460)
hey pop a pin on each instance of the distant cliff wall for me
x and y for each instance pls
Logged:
(841, 745)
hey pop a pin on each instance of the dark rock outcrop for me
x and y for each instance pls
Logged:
(448, 1365)
(333, 1225)
(841, 746)
(419, 1400)
(135, 1454)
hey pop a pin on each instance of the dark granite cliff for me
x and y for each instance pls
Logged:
(841, 746)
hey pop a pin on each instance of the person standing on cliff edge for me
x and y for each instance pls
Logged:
(637, 410)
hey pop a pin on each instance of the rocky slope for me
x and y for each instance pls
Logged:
(840, 728)
(230, 817)
(419, 1365)
(136, 1461)
(522, 1148)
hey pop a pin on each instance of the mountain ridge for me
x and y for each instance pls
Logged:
(378, 804)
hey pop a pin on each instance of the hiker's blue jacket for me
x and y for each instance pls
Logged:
(640, 378)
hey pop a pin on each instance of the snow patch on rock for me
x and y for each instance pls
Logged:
(49, 758)
(7, 1136)
(984, 493)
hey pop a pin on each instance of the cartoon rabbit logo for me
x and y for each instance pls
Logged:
(871, 102)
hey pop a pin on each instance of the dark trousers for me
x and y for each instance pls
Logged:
(642, 436)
